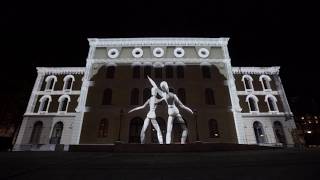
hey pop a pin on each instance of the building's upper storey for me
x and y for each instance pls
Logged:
(158, 48)
(253, 79)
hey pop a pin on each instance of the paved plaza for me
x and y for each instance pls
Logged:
(262, 164)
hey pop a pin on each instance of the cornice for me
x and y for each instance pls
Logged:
(189, 61)
(118, 42)
(256, 70)
(61, 70)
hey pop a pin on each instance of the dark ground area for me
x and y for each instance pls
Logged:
(263, 164)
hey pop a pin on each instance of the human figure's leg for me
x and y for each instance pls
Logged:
(143, 130)
(184, 130)
(159, 134)
(169, 130)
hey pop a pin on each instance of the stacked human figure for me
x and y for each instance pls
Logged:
(172, 102)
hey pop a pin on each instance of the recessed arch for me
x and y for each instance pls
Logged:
(44, 103)
(63, 103)
(50, 82)
(259, 132)
(265, 82)
(271, 102)
(68, 82)
(247, 82)
(56, 133)
(36, 133)
(252, 101)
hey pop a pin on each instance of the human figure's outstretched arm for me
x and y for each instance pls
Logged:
(181, 104)
(158, 100)
(140, 107)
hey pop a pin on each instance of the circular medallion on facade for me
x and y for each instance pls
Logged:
(113, 53)
(137, 52)
(178, 52)
(158, 52)
(203, 52)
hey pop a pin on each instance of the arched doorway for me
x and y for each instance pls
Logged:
(279, 133)
(135, 129)
(56, 133)
(259, 132)
(36, 133)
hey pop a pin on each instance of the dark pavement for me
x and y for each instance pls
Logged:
(263, 164)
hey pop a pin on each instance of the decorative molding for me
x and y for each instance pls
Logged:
(50, 114)
(203, 52)
(178, 52)
(118, 42)
(264, 114)
(189, 61)
(113, 53)
(257, 92)
(158, 52)
(72, 92)
(60, 70)
(256, 70)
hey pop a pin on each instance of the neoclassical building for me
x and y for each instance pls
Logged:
(89, 105)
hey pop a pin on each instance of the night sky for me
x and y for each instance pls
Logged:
(262, 33)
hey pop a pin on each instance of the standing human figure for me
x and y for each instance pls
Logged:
(173, 112)
(151, 116)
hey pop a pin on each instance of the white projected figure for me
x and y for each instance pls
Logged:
(173, 112)
(152, 101)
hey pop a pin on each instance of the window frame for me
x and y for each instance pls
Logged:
(61, 100)
(41, 105)
(50, 78)
(250, 81)
(65, 80)
(256, 104)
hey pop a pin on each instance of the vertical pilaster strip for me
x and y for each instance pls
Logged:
(37, 86)
(81, 109)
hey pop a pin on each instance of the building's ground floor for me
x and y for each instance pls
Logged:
(44, 133)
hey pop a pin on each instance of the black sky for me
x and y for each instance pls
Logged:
(263, 33)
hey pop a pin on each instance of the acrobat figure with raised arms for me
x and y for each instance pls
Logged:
(172, 100)
(151, 116)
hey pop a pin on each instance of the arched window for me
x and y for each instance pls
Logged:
(158, 72)
(247, 82)
(182, 95)
(213, 128)
(136, 72)
(163, 128)
(134, 96)
(272, 102)
(103, 128)
(107, 97)
(259, 132)
(146, 94)
(180, 72)
(169, 72)
(110, 72)
(36, 133)
(56, 133)
(252, 103)
(265, 82)
(206, 72)
(210, 100)
(147, 71)
(63, 103)
(279, 133)
(68, 82)
(44, 103)
(50, 82)
(135, 129)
